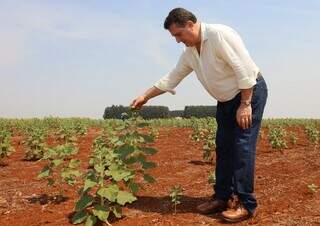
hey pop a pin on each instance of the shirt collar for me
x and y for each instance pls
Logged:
(204, 32)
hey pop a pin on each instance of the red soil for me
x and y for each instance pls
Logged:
(280, 185)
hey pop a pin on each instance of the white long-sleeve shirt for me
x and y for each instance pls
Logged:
(223, 67)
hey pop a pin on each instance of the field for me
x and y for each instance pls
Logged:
(63, 171)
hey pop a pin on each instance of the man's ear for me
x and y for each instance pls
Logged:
(190, 24)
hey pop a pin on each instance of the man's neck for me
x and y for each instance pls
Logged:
(198, 32)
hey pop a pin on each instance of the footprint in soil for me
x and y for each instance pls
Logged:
(45, 199)
(197, 162)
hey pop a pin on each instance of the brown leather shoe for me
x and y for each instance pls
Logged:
(238, 214)
(212, 206)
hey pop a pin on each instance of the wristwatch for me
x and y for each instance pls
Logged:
(246, 102)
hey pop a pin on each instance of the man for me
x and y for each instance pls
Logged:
(224, 67)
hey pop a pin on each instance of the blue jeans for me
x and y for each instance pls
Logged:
(236, 148)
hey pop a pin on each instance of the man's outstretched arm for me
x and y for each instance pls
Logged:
(150, 93)
(166, 84)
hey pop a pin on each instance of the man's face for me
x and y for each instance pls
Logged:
(184, 34)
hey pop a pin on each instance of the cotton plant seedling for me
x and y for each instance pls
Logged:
(293, 138)
(66, 134)
(212, 178)
(36, 144)
(5, 147)
(119, 156)
(313, 134)
(80, 128)
(155, 132)
(175, 194)
(277, 137)
(60, 168)
(205, 130)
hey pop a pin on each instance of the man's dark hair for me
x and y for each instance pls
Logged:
(180, 17)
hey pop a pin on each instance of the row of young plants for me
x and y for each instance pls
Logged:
(278, 136)
(118, 160)
(37, 131)
(118, 168)
(204, 130)
(6, 148)
(62, 132)
(50, 124)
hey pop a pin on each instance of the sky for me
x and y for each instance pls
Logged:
(74, 58)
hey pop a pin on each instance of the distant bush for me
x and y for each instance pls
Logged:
(176, 113)
(147, 112)
(114, 112)
(200, 111)
(151, 112)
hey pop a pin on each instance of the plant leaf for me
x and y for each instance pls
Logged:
(148, 165)
(118, 173)
(74, 163)
(148, 178)
(147, 138)
(89, 183)
(149, 151)
(99, 168)
(79, 217)
(125, 150)
(86, 200)
(91, 220)
(57, 162)
(110, 192)
(123, 197)
(50, 181)
(45, 172)
(101, 212)
(133, 187)
(117, 211)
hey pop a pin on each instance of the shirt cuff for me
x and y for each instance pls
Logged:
(163, 88)
(246, 83)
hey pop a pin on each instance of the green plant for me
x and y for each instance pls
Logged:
(205, 130)
(175, 194)
(35, 144)
(60, 165)
(155, 132)
(277, 137)
(5, 146)
(66, 134)
(80, 127)
(313, 134)
(212, 178)
(293, 138)
(209, 147)
(118, 158)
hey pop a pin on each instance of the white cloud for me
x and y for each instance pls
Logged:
(29, 20)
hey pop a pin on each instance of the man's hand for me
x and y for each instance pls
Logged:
(138, 102)
(141, 100)
(244, 116)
